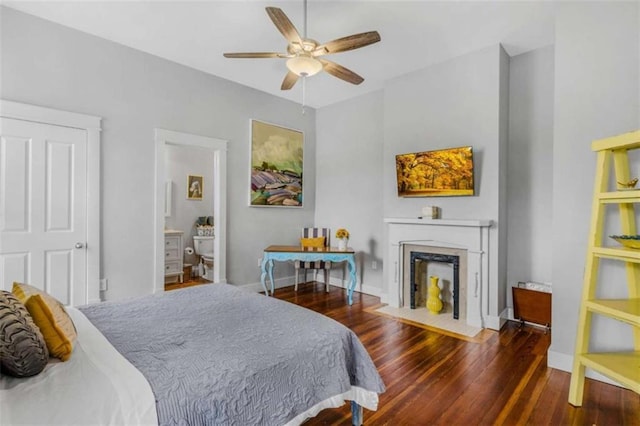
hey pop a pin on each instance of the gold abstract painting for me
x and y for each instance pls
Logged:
(446, 172)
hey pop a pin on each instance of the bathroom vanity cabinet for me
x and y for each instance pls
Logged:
(173, 256)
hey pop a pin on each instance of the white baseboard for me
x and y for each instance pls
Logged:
(333, 281)
(509, 314)
(493, 322)
(496, 322)
(254, 287)
(370, 290)
(279, 283)
(564, 362)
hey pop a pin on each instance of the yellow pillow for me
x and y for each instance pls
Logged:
(312, 242)
(52, 319)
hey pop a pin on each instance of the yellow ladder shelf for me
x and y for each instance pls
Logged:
(622, 367)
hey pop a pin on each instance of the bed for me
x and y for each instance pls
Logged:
(211, 354)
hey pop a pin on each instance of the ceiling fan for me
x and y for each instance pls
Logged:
(304, 54)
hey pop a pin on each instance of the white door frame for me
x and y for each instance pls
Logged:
(92, 125)
(219, 149)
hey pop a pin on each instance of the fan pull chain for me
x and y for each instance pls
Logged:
(304, 78)
(304, 93)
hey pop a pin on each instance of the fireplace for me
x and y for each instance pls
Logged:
(415, 282)
(462, 246)
(450, 264)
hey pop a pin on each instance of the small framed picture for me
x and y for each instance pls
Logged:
(194, 187)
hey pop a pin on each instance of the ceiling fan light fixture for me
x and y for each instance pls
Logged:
(304, 66)
(302, 52)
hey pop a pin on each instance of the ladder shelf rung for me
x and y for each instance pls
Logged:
(625, 141)
(627, 310)
(623, 367)
(620, 253)
(619, 197)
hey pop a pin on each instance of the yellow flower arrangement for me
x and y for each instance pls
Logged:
(342, 233)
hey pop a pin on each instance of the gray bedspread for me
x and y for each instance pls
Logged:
(216, 354)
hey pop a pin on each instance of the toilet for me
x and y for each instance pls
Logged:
(203, 246)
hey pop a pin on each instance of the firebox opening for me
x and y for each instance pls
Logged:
(449, 264)
(419, 257)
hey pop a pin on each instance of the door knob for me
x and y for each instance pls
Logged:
(79, 245)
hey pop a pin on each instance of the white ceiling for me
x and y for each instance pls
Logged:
(415, 34)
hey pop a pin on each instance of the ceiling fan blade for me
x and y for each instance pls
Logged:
(289, 81)
(341, 72)
(254, 55)
(351, 42)
(284, 25)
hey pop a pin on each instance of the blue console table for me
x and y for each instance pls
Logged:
(292, 253)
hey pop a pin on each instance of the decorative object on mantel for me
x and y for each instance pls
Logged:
(343, 239)
(629, 241)
(628, 186)
(430, 212)
(434, 304)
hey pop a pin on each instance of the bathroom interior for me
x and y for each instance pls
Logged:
(189, 222)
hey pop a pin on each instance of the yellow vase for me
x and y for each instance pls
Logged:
(434, 304)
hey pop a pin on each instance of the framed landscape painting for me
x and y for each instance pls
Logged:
(276, 166)
(440, 173)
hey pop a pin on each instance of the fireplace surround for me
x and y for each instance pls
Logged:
(445, 239)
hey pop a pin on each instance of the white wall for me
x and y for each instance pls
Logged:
(597, 61)
(349, 184)
(530, 168)
(181, 161)
(503, 157)
(456, 103)
(358, 139)
(50, 65)
(356, 125)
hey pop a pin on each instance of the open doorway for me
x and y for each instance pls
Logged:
(212, 199)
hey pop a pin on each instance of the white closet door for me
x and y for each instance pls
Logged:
(43, 208)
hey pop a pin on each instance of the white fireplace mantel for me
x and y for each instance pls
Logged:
(467, 234)
(440, 222)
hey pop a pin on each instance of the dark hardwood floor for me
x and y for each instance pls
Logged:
(187, 283)
(437, 379)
